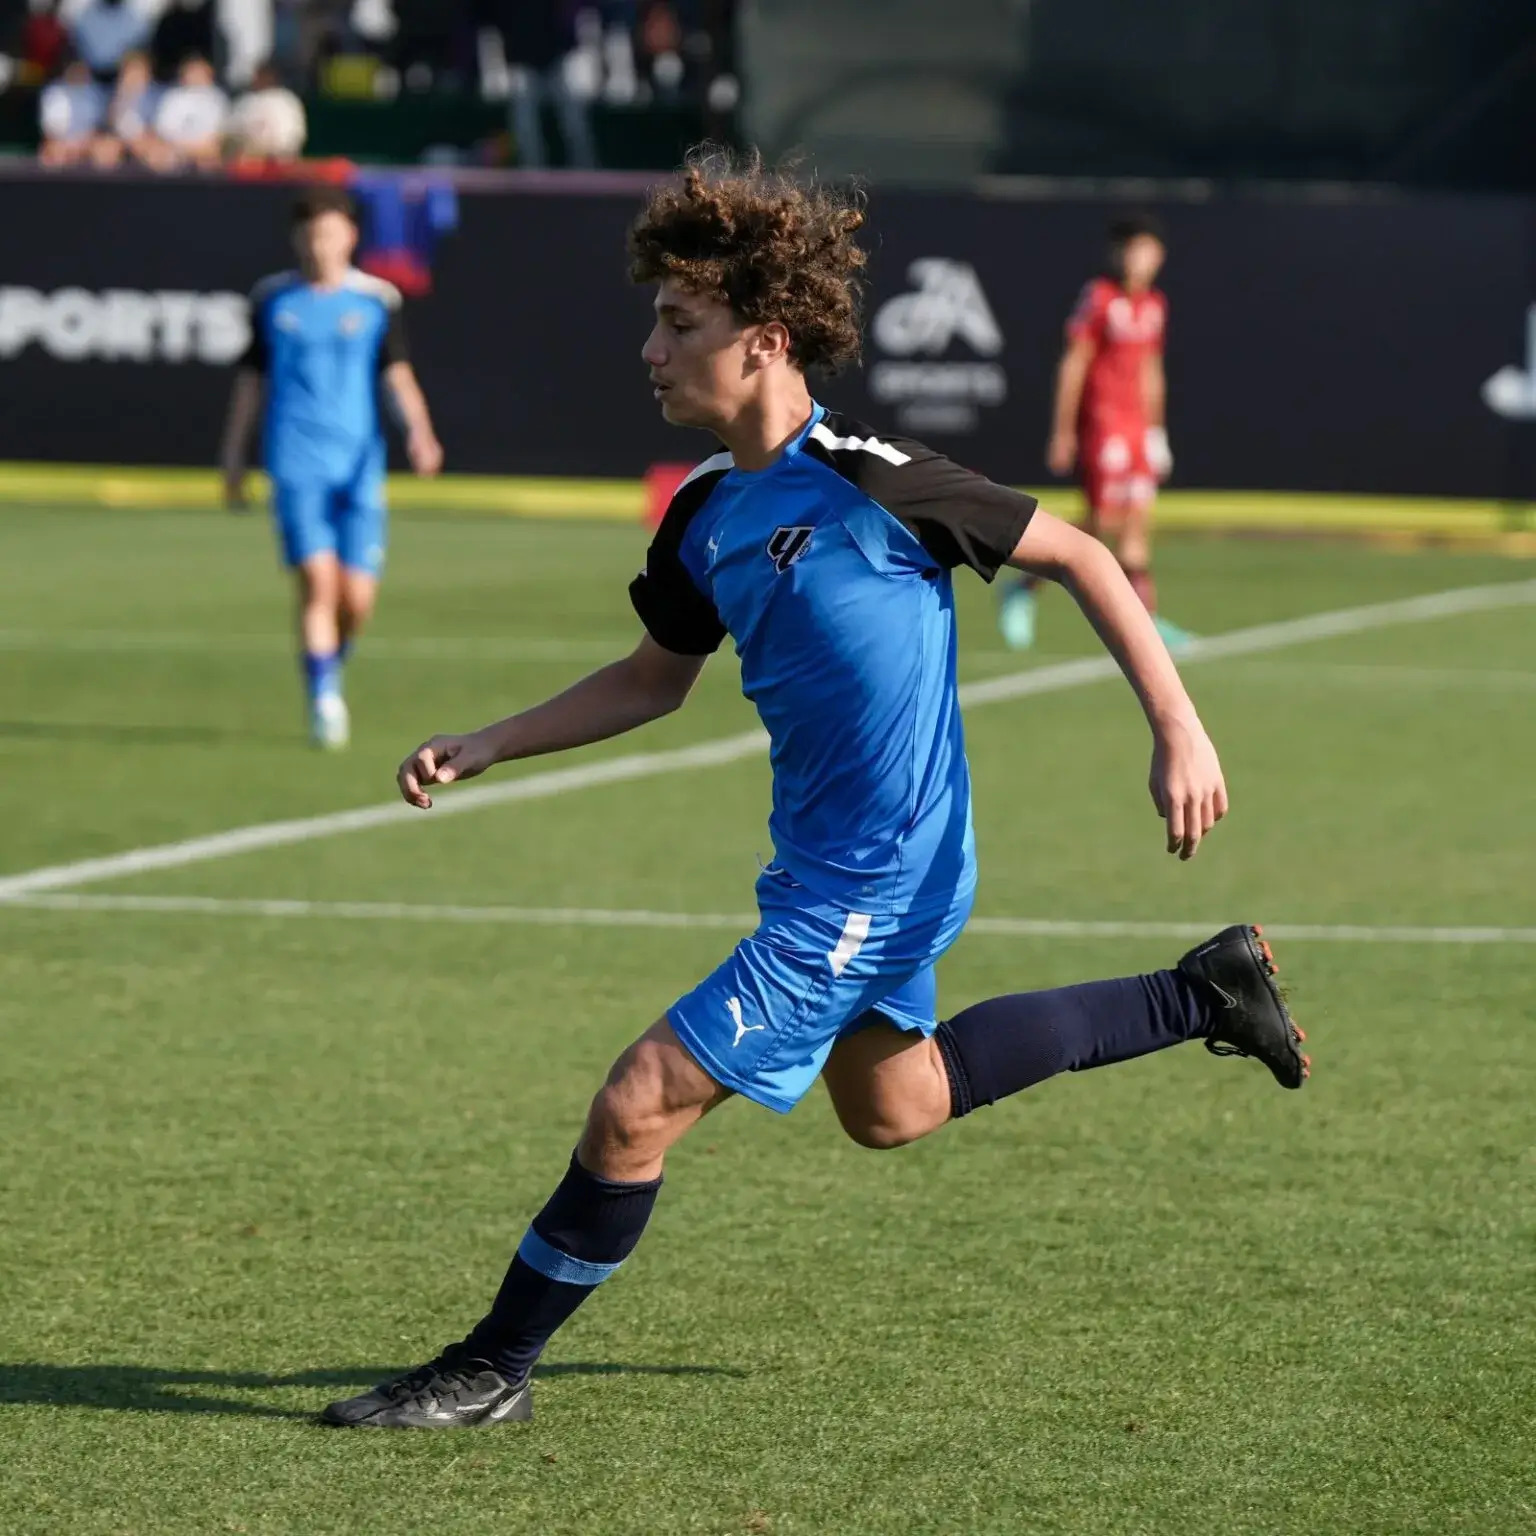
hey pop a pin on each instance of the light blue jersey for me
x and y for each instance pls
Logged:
(321, 351)
(831, 571)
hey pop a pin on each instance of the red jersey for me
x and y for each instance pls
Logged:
(1125, 330)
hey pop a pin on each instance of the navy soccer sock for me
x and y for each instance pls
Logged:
(586, 1230)
(1007, 1044)
(322, 673)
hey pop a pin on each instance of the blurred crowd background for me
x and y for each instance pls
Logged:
(172, 85)
(1404, 92)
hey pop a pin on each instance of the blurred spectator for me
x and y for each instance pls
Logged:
(268, 122)
(12, 14)
(428, 46)
(40, 40)
(528, 44)
(661, 48)
(71, 111)
(192, 115)
(129, 116)
(303, 33)
(185, 27)
(104, 31)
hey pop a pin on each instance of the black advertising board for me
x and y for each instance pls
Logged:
(1376, 346)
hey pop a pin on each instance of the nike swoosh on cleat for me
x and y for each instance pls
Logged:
(1224, 995)
(501, 1410)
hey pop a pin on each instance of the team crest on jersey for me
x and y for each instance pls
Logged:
(286, 320)
(787, 545)
(351, 323)
(1125, 324)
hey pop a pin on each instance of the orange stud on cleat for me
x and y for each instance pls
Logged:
(1258, 931)
(1301, 1034)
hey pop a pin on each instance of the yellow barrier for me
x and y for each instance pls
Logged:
(1392, 519)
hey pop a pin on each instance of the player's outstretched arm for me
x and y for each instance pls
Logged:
(239, 424)
(645, 685)
(1186, 781)
(421, 444)
(1071, 376)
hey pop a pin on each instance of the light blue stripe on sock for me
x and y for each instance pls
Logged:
(549, 1261)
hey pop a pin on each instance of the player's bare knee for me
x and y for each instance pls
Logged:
(353, 616)
(357, 599)
(319, 585)
(882, 1134)
(630, 1109)
(1135, 546)
(884, 1125)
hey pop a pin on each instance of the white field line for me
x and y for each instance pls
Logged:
(1274, 637)
(1389, 675)
(735, 922)
(730, 749)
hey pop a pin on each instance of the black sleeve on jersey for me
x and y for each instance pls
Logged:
(395, 346)
(255, 355)
(960, 517)
(676, 615)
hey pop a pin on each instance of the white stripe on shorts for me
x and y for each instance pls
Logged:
(855, 931)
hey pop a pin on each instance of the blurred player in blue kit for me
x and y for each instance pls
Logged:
(825, 551)
(323, 339)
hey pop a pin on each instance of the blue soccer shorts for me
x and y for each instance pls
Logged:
(766, 1020)
(346, 519)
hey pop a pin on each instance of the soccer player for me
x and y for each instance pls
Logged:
(1109, 422)
(321, 338)
(825, 552)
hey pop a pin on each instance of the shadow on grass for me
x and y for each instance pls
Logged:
(150, 1389)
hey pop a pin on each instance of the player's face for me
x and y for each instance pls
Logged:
(325, 243)
(699, 357)
(1141, 261)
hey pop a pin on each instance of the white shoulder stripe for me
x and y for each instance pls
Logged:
(273, 284)
(376, 287)
(829, 440)
(717, 461)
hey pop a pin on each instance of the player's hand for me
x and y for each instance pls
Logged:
(443, 760)
(1159, 454)
(234, 492)
(1186, 783)
(424, 452)
(1061, 455)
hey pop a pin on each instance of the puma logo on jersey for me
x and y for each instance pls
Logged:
(787, 545)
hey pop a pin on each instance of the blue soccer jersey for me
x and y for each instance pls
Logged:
(322, 351)
(831, 571)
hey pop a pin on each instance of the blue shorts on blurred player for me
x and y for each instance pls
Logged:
(345, 517)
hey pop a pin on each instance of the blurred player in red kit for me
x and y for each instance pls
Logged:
(1109, 417)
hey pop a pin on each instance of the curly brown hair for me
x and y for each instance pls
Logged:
(770, 247)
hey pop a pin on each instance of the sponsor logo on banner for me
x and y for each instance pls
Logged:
(1511, 392)
(945, 311)
(77, 325)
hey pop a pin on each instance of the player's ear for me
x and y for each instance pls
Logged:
(771, 344)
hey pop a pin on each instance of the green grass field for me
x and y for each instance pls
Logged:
(249, 1162)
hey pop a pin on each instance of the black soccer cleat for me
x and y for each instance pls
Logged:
(1251, 1016)
(453, 1391)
